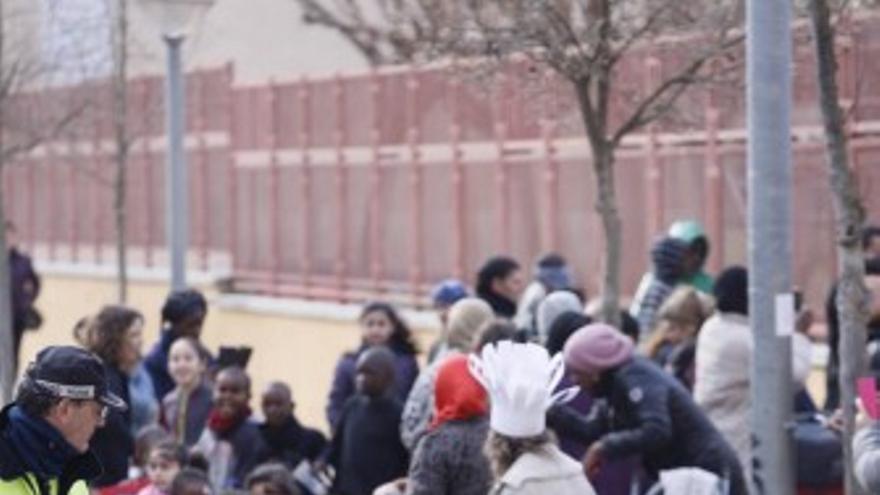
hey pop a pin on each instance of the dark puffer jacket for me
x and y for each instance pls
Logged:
(649, 413)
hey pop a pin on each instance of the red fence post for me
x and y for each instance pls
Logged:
(714, 190)
(149, 183)
(551, 165)
(231, 172)
(203, 218)
(417, 260)
(98, 220)
(72, 167)
(341, 192)
(458, 198)
(375, 224)
(52, 200)
(305, 139)
(255, 196)
(502, 182)
(655, 204)
(30, 211)
(274, 190)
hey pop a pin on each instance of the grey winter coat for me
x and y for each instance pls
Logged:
(450, 461)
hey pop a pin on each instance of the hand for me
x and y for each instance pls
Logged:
(804, 321)
(835, 421)
(593, 459)
(319, 467)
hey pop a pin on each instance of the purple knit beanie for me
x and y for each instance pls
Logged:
(597, 347)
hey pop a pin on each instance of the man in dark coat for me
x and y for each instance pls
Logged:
(649, 412)
(25, 286)
(45, 433)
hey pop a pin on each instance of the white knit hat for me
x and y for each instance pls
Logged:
(520, 380)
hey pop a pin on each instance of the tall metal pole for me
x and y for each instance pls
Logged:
(769, 49)
(176, 187)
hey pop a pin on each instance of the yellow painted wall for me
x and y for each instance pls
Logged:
(300, 352)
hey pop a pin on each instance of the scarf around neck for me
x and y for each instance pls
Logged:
(42, 448)
(222, 425)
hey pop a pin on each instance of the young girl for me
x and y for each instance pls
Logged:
(380, 326)
(185, 409)
(166, 459)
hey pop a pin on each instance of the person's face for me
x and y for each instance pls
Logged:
(371, 380)
(11, 237)
(873, 249)
(510, 286)
(442, 313)
(277, 407)
(77, 421)
(134, 342)
(376, 328)
(231, 394)
(191, 326)
(674, 333)
(692, 261)
(266, 488)
(585, 380)
(162, 470)
(185, 365)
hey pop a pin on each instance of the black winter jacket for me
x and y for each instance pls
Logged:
(113, 444)
(649, 413)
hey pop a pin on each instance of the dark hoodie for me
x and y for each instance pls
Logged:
(34, 455)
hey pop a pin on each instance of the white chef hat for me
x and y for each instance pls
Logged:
(520, 380)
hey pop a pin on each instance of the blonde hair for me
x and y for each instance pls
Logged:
(685, 307)
(466, 318)
(502, 451)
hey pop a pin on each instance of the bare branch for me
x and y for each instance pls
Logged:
(675, 85)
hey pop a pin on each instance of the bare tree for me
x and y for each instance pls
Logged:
(123, 140)
(584, 41)
(849, 212)
(26, 123)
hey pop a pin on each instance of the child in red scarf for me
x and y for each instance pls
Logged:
(232, 443)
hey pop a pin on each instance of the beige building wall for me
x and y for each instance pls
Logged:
(299, 351)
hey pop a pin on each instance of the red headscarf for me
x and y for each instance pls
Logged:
(457, 394)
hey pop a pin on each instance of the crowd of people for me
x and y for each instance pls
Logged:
(524, 392)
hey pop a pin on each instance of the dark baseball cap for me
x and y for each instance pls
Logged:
(73, 373)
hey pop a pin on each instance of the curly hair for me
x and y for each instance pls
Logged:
(503, 451)
(107, 332)
(401, 337)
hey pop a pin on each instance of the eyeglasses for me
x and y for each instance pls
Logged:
(103, 410)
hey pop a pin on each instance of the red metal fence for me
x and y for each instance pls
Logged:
(378, 184)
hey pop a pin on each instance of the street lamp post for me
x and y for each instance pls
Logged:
(175, 18)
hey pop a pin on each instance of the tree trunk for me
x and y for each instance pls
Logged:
(120, 111)
(849, 218)
(606, 201)
(606, 206)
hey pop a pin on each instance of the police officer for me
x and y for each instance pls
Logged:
(45, 432)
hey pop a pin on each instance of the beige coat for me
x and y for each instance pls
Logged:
(723, 382)
(545, 472)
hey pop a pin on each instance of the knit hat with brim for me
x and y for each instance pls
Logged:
(597, 347)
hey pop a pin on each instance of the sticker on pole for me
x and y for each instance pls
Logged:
(784, 315)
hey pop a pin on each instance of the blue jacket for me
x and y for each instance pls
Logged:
(156, 364)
